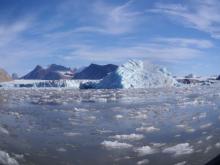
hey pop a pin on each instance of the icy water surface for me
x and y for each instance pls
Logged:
(109, 127)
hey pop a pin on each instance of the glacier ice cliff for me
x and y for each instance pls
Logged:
(138, 74)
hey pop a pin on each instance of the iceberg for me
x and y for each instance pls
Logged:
(137, 74)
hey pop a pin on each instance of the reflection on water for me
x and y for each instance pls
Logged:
(66, 127)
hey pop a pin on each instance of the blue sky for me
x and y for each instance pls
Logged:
(184, 35)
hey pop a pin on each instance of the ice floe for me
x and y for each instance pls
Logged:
(71, 134)
(131, 137)
(4, 130)
(115, 145)
(204, 126)
(179, 149)
(61, 149)
(217, 145)
(181, 163)
(209, 137)
(143, 162)
(119, 116)
(5, 159)
(207, 149)
(145, 150)
(148, 129)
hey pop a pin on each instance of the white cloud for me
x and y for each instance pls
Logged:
(10, 32)
(112, 19)
(201, 15)
(162, 49)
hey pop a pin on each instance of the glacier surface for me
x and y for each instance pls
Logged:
(138, 74)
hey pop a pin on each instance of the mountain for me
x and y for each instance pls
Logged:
(53, 72)
(95, 72)
(4, 76)
(138, 74)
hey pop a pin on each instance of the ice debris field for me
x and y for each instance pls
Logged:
(179, 126)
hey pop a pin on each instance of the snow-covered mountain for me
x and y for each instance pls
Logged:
(95, 72)
(53, 72)
(138, 74)
(4, 76)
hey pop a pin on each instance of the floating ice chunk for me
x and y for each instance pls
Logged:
(3, 130)
(118, 116)
(5, 159)
(19, 156)
(208, 149)
(16, 114)
(115, 145)
(80, 110)
(187, 129)
(190, 130)
(204, 126)
(217, 145)
(139, 115)
(145, 150)
(209, 137)
(181, 126)
(158, 144)
(147, 129)
(143, 162)
(61, 150)
(200, 116)
(71, 134)
(179, 149)
(181, 163)
(131, 137)
(92, 118)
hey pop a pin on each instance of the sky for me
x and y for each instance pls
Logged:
(183, 36)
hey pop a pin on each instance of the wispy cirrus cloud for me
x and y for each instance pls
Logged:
(111, 19)
(159, 49)
(201, 15)
(77, 33)
(10, 32)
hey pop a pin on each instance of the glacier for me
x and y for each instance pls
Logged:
(45, 83)
(138, 74)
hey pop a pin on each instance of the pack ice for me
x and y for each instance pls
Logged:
(138, 74)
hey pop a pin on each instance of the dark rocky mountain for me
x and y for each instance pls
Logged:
(53, 72)
(4, 76)
(218, 78)
(95, 72)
